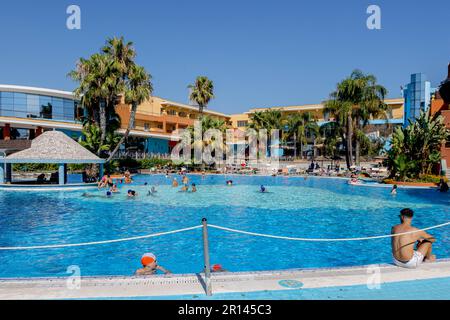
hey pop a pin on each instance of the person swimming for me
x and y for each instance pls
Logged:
(175, 183)
(230, 183)
(394, 190)
(152, 192)
(150, 266)
(185, 188)
(263, 189)
(114, 189)
(194, 188)
(131, 194)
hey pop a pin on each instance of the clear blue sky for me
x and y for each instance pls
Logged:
(259, 53)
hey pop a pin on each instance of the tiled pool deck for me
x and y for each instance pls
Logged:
(430, 281)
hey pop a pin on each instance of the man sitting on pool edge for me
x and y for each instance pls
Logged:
(403, 245)
(150, 266)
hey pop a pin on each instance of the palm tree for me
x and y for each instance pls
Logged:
(122, 54)
(269, 120)
(139, 90)
(356, 100)
(98, 86)
(202, 92)
(369, 104)
(342, 112)
(300, 127)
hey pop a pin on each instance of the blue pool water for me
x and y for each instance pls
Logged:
(312, 208)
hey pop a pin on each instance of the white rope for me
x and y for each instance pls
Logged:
(324, 240)
(99, 242)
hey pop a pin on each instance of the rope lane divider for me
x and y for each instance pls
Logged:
(58, 246)
(324, 240)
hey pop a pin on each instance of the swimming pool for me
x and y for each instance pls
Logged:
(294, 207)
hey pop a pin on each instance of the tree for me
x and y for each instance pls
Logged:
(107, 77)
(342, 112)
(139, 89)
(299, 127)
(99, 86)
(91, 139)
(356, 100)
(202, 92)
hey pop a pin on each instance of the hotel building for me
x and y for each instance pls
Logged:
(26, 112)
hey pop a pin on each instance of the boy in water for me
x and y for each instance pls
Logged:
(394, 190)
(150, 266)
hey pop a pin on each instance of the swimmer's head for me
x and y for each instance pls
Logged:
(216, 267)
(148, 259)
(108, 194)
(406, 214)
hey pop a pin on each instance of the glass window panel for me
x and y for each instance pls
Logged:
(20, 96)
(7, 95)
(8, 113)
(6, 100)
(7, 106)
(20, 107)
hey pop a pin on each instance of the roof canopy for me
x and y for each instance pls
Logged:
(54, 147)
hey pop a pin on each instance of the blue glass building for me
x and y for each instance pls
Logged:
(417, 95)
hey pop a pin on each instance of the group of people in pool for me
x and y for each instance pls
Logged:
(185, 182)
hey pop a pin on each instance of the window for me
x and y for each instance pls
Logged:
(242, 124)
(171, 112)
(146, 127)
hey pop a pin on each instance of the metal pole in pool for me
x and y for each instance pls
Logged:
(206, 257)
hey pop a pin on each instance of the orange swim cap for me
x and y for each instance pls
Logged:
(217, 267)
(147, 259)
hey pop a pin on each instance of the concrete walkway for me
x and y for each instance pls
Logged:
(191, 284)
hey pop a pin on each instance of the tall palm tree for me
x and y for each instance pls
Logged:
(139, 90)
(202, 92)
(98, 86)
(369, 104)
(357, 99)
(342, 112)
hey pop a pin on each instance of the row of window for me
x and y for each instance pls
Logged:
(22, 105)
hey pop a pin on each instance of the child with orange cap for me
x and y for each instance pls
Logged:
(150, 266)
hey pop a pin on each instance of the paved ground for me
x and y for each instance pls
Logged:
(276, 285)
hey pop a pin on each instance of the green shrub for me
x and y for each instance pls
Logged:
(154, 162)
